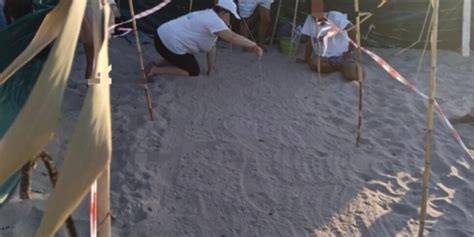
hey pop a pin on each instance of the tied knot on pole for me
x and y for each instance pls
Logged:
(101, 77)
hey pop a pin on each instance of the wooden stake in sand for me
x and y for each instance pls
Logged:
(317, 11)
(140, 56)
(295, 14)
(276, 22)
(431, 101)
(359, 73)
(466, 28)
(318, 55)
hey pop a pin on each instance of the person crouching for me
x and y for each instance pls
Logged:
(177, 40)
(329, 43)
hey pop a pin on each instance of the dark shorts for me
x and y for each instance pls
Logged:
(186, 62)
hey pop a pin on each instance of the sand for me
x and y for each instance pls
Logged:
(264, 149)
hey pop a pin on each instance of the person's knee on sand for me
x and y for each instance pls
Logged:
(349, 71)
(154, 70)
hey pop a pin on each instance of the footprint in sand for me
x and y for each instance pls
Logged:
(252, 187)
(197, 131)
(243, 129)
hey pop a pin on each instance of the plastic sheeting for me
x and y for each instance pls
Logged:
(14, 93)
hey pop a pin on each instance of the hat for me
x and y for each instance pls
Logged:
(230, 6)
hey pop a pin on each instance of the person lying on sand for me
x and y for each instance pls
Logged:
(177, 40)
(250, 8)
(330, 45)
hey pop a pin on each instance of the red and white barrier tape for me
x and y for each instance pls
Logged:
(93, 210)
(143, 14)
(397, 76)
(124, 30)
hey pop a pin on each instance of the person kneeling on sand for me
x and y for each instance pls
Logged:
(177, 40)
(329, 42)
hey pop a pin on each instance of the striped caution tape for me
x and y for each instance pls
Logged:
(124, 30)
(139, 16)
(397, 76)
(93, 210)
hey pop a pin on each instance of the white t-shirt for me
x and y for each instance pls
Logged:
(336, 45)
(192, 33)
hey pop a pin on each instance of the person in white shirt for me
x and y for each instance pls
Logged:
(247, 8)
(177, 40)
(329, 40)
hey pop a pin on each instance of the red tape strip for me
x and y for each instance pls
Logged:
(397, 76)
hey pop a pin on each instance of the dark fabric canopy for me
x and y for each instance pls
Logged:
(396, 24)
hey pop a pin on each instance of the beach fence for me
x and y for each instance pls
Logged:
(394, 34)
(398, 23)
(373, 33)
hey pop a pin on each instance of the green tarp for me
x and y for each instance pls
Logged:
(14, 93)
(398, 23)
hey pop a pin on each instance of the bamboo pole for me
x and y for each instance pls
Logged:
(104, 221)
(317, 10)
(429, 134)
(140, 57)
(359, 74)
(319, 62)
(466, 28)
(190, 5)
(295, 14)
(276, 22)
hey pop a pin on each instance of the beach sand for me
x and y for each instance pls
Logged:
(267, 149)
